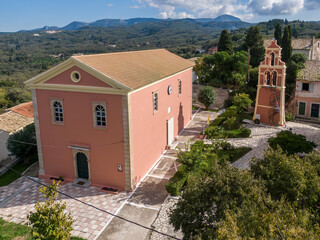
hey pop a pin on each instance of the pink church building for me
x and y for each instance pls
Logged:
(106, 118)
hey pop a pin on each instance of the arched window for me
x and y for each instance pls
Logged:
(272, 59)
(267, 78)
(101, 120)
(274, 78)
(58, 111)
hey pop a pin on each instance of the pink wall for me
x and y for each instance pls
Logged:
(149, 129)
(105, 151)
(86, 79)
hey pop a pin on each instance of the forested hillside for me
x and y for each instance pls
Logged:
(26, 54)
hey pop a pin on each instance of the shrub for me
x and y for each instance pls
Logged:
(177, 181)
(257, 121)
(241, 101)
(19, 149)
(291, 143)
(244, 132)
(207, 96)
(50, 221)
(218, 121)
(231, 123)
(290, 117)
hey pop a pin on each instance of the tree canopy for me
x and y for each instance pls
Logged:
(286, 44)
(225, 42)
(278, 34)
(254, 41)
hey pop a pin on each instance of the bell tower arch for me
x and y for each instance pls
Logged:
(270, 100)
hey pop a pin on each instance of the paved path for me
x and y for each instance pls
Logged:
(19, 198)
(149, 203)
(260, 135)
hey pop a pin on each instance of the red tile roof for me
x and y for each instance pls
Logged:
(24, 109)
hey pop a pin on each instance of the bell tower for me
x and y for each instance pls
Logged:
(270, 98)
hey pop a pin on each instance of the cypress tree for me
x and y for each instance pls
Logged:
(225, 42)
(286, 44)
(254, 41)
(278, 34)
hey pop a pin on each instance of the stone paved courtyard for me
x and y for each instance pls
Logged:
(19, 198)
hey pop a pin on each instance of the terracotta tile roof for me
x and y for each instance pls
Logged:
(311, 72)
(24, 109)
(137, 68)
(300, 43)
(12, 121)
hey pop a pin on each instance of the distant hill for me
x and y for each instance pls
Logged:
(76, 25)
(226, 18)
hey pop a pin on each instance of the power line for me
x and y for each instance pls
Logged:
(87, 204)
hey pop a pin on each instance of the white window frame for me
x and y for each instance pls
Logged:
(155, 103)
(305, 109)
(53, 111)
(95, 123)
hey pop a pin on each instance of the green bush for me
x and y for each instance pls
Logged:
(231, 123)
(289, 117)
(19, 149)
(177, 181)
(230, 112)
(291, 143)
(207, 96)
(244, 132)
(218, 121)
(241, 101)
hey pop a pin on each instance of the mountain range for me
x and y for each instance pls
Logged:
(234, 22)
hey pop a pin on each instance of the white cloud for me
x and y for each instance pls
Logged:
(109, 4)
(197, 8)
(276, 7)
(136, 6)
(244, 9)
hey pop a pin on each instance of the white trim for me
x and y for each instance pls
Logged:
(79, 148)
(73, 77)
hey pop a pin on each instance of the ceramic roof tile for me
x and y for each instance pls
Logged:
(12, 121)
(311, 72)
(24, 109)
(137, 68)
(300, 43)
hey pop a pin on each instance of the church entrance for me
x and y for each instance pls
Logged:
(82, 165)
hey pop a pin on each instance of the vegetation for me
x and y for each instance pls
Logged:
(278, 34)
(286, 44)
(241, 101)
(9, 230)
(207, 96)
(277, 197)
(222, 68)
(17, 143)
(50, 221)
(10, 176)
(291, 143)
(228, 125)
(225, 42)
(254, 42)
(198, 158)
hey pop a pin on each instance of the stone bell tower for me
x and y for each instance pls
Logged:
(270, 99)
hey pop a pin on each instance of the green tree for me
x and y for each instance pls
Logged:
(291, 143)
(278, 34)
(207, 96)
(16, 143)
(49, 221)
(254, 41)
(241, 101)
(225, 42)
(207, 197)
(286, 44)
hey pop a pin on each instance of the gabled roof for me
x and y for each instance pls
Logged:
(24, 109)
(311, 72)
(298, 44)
(122, 70)
(12, 121)
(137, 68)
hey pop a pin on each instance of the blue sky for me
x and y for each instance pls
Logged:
(29, 14)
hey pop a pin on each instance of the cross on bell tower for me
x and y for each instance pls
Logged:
(270, 98)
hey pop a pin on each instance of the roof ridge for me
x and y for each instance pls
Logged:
(113, 53)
